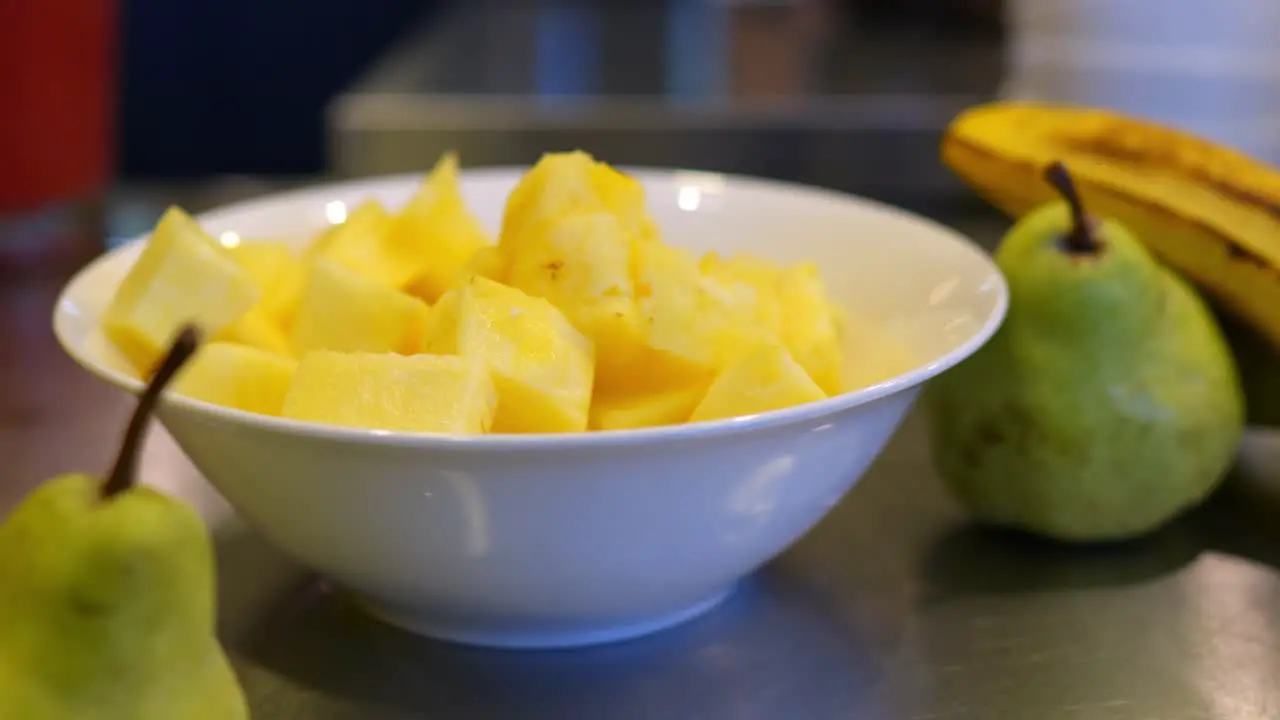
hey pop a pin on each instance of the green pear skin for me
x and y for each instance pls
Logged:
(108, 609)
(107, 596)
(1105, 405)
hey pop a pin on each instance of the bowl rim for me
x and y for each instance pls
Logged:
(793, 415)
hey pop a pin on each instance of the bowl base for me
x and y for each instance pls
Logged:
(509, 634)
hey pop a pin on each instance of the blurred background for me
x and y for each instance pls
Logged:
(123, 106)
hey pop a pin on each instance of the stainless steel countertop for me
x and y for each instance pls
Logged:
(893, 608)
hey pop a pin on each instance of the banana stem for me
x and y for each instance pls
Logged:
(124, 472)
(1080, 239)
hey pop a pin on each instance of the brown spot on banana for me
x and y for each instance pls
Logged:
(1109, 149)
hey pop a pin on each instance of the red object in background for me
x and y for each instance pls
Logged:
(57, 100)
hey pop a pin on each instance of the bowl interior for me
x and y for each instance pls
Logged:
(919, 296)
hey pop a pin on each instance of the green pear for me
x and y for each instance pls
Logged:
(1105, 405)
(107, 608)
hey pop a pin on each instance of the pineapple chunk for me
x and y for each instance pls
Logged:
(343, 310)
(812, 332)
(256, 329)
(624, 196)
(416, 393)
(278, 273)
(489, 262)
(655, 319)
(581, 264)
(542, 366)
(766, 379)
(731, 313)
(564, 184)
(362, 244)
(436, 234)
(624, 411)
(440, 334)
(559, 184)
(695, 325)
(755, 273)
(181, 276)
(673, 307)
(238, 377)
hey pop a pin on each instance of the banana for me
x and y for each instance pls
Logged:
(1208, 212)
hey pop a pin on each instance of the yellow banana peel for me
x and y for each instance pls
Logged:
(1209, 212)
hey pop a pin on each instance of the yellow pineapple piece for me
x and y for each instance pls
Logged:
(629, 410)
(674, 313)
(435, 233)
(811, 331)
(345, 311)
(239, 377)
(582, 265)
(256, 329)
(182, 275)
(385, 391)
(489, 262)
(279, 274)
(362, 243)
(731, 317)
(440, 333)
(542, 366)
(559, 184)
(755, 273)
(564, 184)
(694, 325)
(763, 380)
(624, 196)
(648, 231)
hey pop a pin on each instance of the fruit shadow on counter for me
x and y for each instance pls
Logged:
(1238, 519)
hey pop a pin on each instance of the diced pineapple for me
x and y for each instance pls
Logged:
(624, 196)
(811, 331)
(766, 379)
(345, 311)
(416, 393)
(256, 329)
(841, 321)
(564, 184)
(238, 377)
(581, 264)
(542, 366)
(675, 317)
(623, 411)
(440, 334)
(182, 276)
(694, 325)
(559, 184)
(730, 311)
(436, 233)
(649, 231)
(489, 261)
(278, 273)
(757, 274)
(362, 243)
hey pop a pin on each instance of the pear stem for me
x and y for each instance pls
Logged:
(124, 472)
(1080, 239)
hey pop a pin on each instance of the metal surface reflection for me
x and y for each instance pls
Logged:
(893, 608)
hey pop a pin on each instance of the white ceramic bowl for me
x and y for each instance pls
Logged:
(558, 540)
